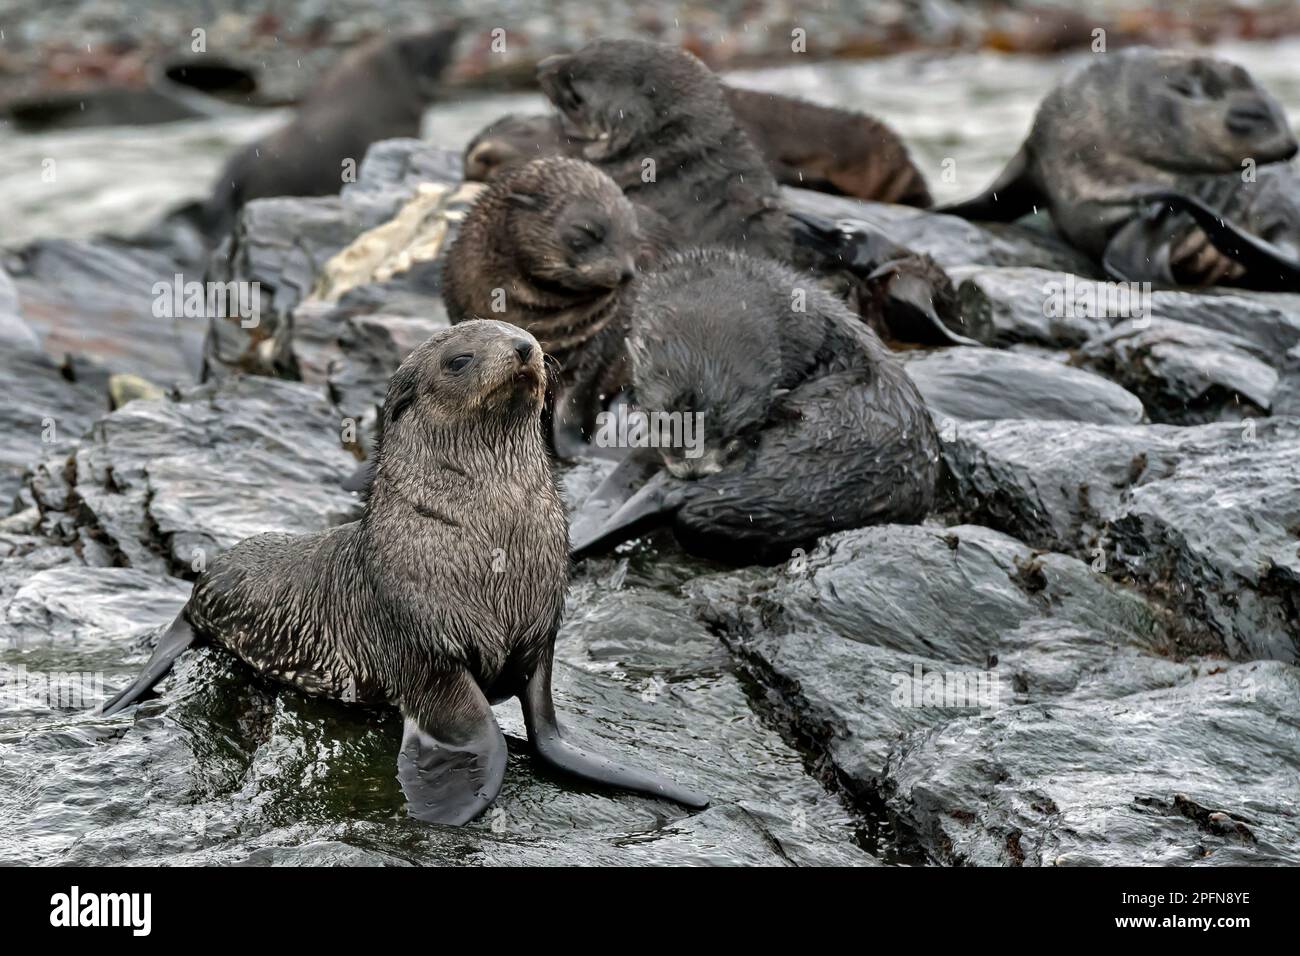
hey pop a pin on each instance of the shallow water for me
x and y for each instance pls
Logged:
(224, 769)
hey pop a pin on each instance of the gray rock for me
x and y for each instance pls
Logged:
(168, 483)
(974, 383)
(95, 299)
(282, 244)
(952, 242)
(1208, 516)
(1005, 306)
(1286, 398)
(1204, 773)
(1185, 374)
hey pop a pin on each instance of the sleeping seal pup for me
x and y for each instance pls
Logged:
(551, 247)
(446, 595)
(803, 421)
(1139, 157)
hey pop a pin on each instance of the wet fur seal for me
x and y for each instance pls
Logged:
(809, 423)
(551, 246)
(377, 91)
(446, 595)
(623, 103)
(627, 104)
(804, 144)
(1138, 151)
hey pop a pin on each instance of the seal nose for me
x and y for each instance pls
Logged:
(1250, 117)
(627, 273)
(524, 349)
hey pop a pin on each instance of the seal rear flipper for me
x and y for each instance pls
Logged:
(176, 639)
(1267, 266)
(1013, 194)
(650, 507)
(552, 749)
(453, 756)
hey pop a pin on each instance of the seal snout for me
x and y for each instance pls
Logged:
(524, 349)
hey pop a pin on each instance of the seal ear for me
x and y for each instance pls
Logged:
(403, 388)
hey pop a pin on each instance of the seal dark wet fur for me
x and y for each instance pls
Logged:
(551, 247)
(809, 424)
(444, 597)
(658, 122)
(1110, 142)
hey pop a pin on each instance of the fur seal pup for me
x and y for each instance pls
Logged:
(1138, 136)
(551, 246)
(655, 120)
(634, 108)
(804, 144)
(378, 91)
(809, 425)
(828, 149)
(443, 598)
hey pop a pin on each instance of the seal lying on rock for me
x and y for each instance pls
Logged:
(655, 119)
(378, 91)
(1143, 149)
(808, 423)
(444, 597)
(550, 247)
(804, 144)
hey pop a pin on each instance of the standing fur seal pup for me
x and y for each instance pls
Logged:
(655, 119)
(446, 595)
(550, 247)
(808, 423)
(804, 144)
(1144, 135)
(378, 91)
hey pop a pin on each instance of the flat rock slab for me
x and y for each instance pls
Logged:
(984, 383)
(173, 482)
(1208, 516)
(1202, 773)
(1185, 374)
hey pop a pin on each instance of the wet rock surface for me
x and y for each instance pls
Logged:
(1086, 656)
(974, 383)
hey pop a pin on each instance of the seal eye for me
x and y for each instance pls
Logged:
(457, 363)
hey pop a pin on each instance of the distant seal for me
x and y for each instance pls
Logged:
(444, 597)
(828, 149)
(1136, 138)
(808, 423)
(378, 91)
(804, 144)
(550, 247)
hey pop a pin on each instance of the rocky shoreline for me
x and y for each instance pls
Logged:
(1089, 656)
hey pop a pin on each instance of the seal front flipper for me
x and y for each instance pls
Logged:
(551, 747)
(1139, 250)
(595, 529)
(1013, 194)
(453, 755)
(913, 287)
(176, 639)
(1267, 266)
